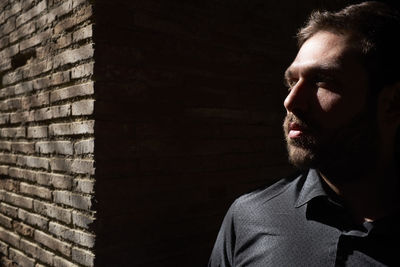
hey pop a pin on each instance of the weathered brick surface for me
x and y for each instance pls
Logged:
(84, 257)
(35, 251)
(52, 243)
(47, 59)
(53, 211)
(84, 146)
(20, 258)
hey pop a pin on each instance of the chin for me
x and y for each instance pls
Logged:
(301, 158)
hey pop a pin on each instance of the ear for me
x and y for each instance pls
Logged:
(389, 104)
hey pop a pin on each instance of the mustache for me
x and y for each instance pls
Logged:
(305, 123)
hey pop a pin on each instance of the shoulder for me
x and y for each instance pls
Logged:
(277, 196)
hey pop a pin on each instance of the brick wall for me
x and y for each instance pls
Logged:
(183, 102)
(46, 133)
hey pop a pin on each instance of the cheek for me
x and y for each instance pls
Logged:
(335, 109)
(329, 101)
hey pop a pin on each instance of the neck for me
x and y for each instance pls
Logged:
(369, 195)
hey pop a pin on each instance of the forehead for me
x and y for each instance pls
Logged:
(324, 51)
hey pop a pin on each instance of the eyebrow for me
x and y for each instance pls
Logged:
(321, 70)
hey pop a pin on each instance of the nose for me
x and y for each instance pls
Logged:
(298, 97)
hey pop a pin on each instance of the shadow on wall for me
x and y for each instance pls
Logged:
(188, 117)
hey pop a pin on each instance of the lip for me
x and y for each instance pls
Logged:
(295, 130)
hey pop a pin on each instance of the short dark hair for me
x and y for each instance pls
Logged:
(375, 27)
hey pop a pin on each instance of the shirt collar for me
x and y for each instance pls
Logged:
(312, 188)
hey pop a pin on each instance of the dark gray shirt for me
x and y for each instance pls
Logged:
(295, 223)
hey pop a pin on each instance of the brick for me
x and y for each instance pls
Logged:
(8, 210)
(4, 118)
(71, 199)
(41, 83)
(78, 166)
(61, 164)
(13, 132)
(9, 185)
(22, 116)
(8, 158)
(84, 146)
(23, 229)
(33, 162)
(27, 4)
(9, 51)
(82, 256)
(36, 251)
(12, 77)
(76, 236)
(84, 186)
(72, 91)
(20, 258)
(7, 91)
(33, 219)
(59, 181)
(53, 211)
(5, 65)
(7, 262)
(81, 219)
(53, 243)
(35, 69)
(34, 190)
(37, 132)
(7, 27)
(23, 147)
(4, 170)
(5, 221)
(15, 8)
(57, 147)
(83, 166)
(76, 3)
(5, 41)
(11, 104)
(81, 15)
(83, 33)
(52, 112)
(37, 100)
(19, 201)
(3, 248)
(61, 262)
(31, 13)
(9, 237)
(22, 174)
(74, 128)
(5, 145)
(45, 20)
(23, 31)
(3, 4)
(73, 55)
(83, 107)
(60, 78)
(63, 9)
(36, 39)
(23, 87)
(82, 70)
(64, 41)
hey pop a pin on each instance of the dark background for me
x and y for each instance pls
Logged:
(188, 117)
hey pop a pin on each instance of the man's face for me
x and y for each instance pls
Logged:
(327, 117)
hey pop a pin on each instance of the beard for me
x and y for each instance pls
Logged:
(348, 148)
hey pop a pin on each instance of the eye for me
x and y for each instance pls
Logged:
(322, 84)
(290, 83)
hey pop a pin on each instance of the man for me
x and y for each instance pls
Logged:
(343, 114)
